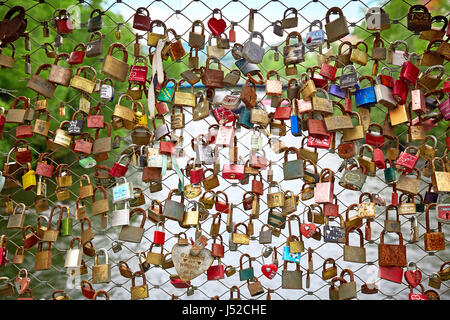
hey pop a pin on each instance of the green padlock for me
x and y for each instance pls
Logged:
(66, 223)
(87, 162)
(389, 172)
(246, 274)
(166, 93)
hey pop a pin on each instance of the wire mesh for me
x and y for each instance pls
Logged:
(43, 283)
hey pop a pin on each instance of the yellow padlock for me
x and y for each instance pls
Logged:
(139, 115)
(29, 179)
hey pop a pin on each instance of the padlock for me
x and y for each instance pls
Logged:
(252, 52)
(354, 253)
(349, 79)
(377, 19)
(94, 48)
(389, 224)
(337, 28)
(82, 83)
(418, 19)
(113, 67)
(293, 53)
(336, 234)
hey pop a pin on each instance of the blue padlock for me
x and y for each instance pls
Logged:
(296, 122)
(244, 119)
(291, 257)
(366, 97)
(336, 91)
(246, 67)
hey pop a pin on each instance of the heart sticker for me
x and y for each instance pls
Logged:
(269, 270)
(308, 229)
(217, 26)
(188, 266)
(413, 277)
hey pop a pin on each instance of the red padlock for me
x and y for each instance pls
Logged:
(331, 209)
(161, 108)
(375, 139)
(232, 33)
(218, 249)
(394, 274)
(446, 86)
(166, 147)
(247, 202)
(87, 290)
(63, 23)
(444, 107)
(223, 115)
(196, 174)
(77, 55)
(233, 171)
(407, 161)
(95, 119)
(159, 236)
(22, 154)
(3, 251)
(319, 82)
(348, 107)
(400, 91)
(378, 158)
(215, 272)
(24, 131)
(409, 72)
(282, 112)
(138, 74)
(45, 167)
(417, 296)
(212, 133)
(119, 170)
(394, 197)
(83, 144)
(328, 71)
(177, 283)
(257, 186)
(31, 239)
(140, 20)
(386, 80)
(321, 142)
(221, 206)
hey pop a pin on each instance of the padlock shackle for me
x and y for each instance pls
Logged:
(400, 237)
(139, 211)
(392, 207)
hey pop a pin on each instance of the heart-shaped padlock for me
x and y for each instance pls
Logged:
(413, 277)
(217, 26)
(308, 229)
(269, 270)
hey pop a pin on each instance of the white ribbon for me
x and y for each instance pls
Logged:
(157, 69)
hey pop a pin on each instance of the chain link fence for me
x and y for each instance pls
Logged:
(180, 16)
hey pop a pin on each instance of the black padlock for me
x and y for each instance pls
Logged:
(76, 126)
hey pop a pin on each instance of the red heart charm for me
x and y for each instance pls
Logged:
(217, 26)
(308, 229)
(269, 270)
(413, 277)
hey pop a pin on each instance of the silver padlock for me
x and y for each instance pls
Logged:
(106, 91)
(267, 251)
(116, 246)
(251, 51)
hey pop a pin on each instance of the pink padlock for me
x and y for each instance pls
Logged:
(324, 190)
(418, 101)
(378, 158)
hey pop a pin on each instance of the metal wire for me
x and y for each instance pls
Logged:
(44, 282)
